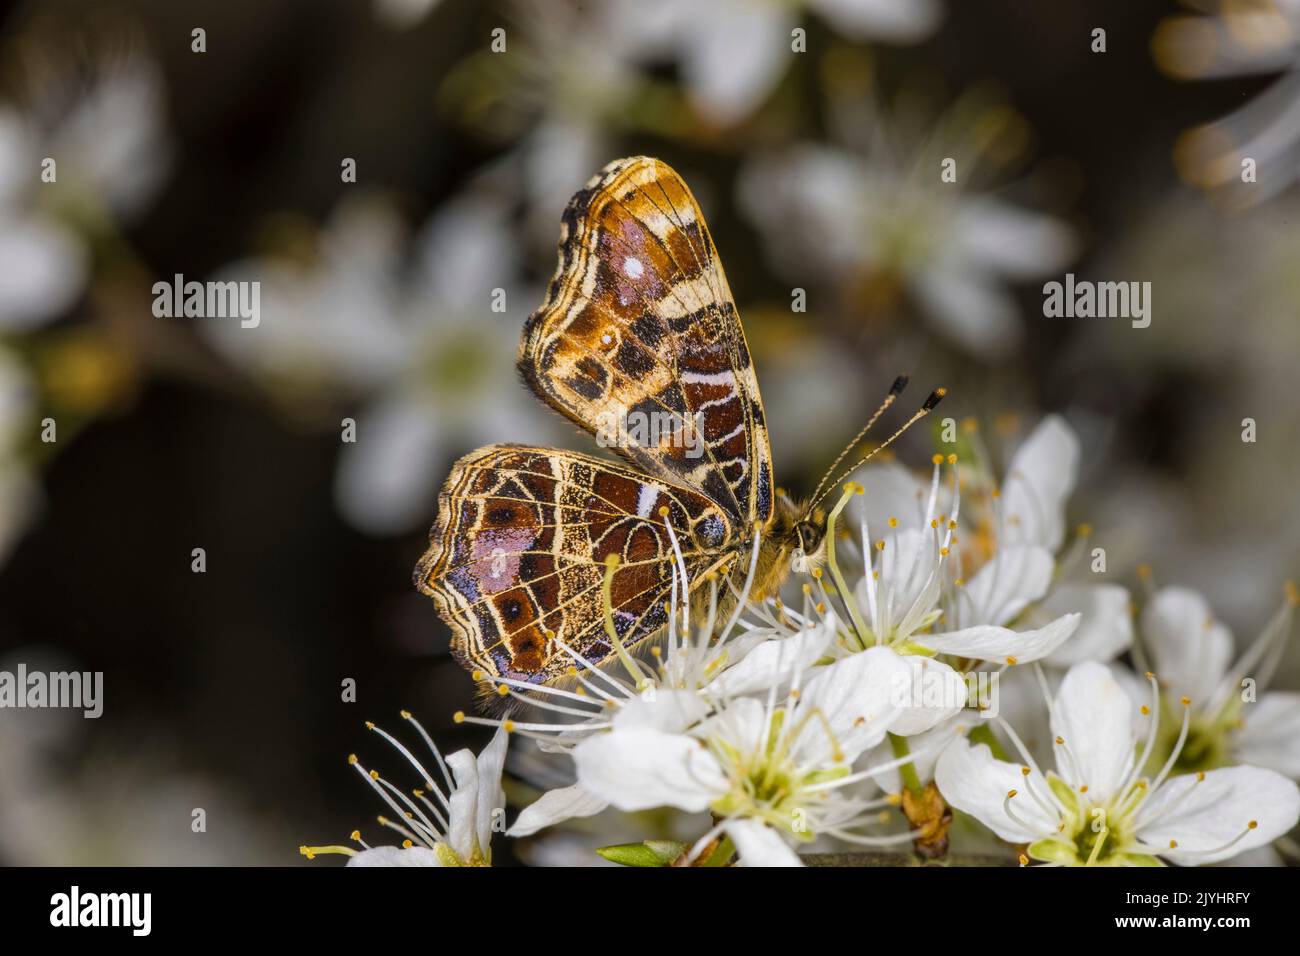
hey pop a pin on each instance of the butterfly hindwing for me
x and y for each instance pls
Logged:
(516, 563)
(639, 321)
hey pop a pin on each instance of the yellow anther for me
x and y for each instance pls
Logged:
(960, 582)
(656, 651)
(1011, 793)
(893, 522)
(352, 759)
(970, 425)
(1253, 824)
(943, 552)
(1085, 530)
(821, 607)
(1144, 571)
(406, 714)
(1173, 844)
(1200, 775)
(934, 524)
(937, 459)
(894, 799)
(458, 717)
(817, 573)
(952, 459)
(1011, 660)
(880, 545)
(1024, 860)
(1024, 771)
(1145, 710)
(503, 690)
(1060, 741)
(1185, 701)
(370, 725)
(1084, 788)
(476, 674)
(407, 844)
(663, 511)
(374, 775)
(355, 835)
(508, 726)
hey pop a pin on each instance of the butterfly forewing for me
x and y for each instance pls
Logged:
(639, 321)
(517, 560)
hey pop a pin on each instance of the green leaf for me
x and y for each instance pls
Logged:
(648, 853)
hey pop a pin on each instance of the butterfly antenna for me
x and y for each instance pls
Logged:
(928, 406)
(895, 390)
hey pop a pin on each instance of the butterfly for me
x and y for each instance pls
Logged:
(638, 326)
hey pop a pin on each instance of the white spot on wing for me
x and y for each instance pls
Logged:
(633, 267)
(646, 500)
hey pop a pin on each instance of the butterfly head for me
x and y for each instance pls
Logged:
(798, 535)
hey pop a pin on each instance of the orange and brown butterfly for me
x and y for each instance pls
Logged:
(638, 325)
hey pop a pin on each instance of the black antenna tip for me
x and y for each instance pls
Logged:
(935, 398)
(900, 383)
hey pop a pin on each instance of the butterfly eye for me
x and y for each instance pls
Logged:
(711, 532)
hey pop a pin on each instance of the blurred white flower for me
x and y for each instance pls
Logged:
(883, 219)
(109, 146)
(1232, 718)
(1096, 808)
(1253, 153)
(427, 354)
(733, 52)
(447, 821)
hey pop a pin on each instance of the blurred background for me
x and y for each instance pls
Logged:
(813, 134)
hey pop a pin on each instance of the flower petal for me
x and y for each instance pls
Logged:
(1094, 715)
(932, 693)
(553, 806)
(1209, 813)
(666, 709)
(856, 696)
(490, 798)
(1106, 629)
(733, 53)
(639, 768)
(395, 856)
(1001, 645)
(971, 780)
(897, 21)
(774, 662)
(1010, 582)
(1190, 650)
(1038, 482)
(462, 813)
(760, 845)
(1271, 735)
